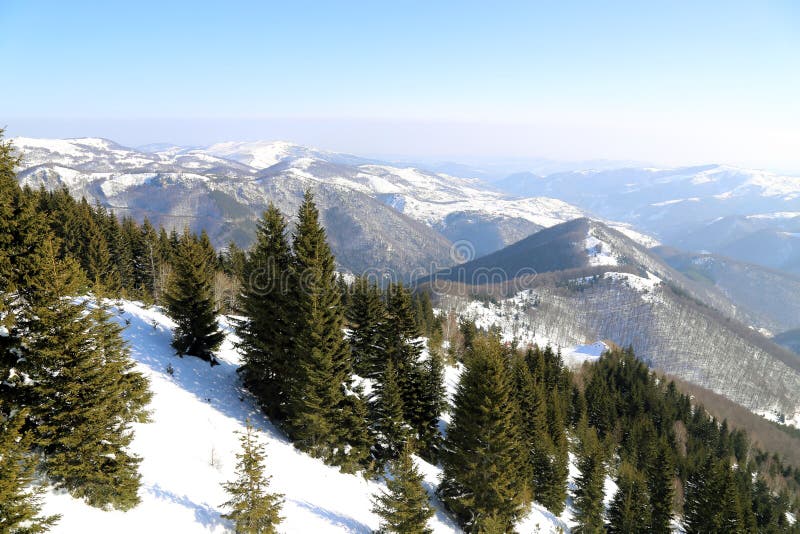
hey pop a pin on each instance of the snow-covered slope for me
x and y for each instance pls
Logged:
(224, 187)
(189, 448)
(188, 451)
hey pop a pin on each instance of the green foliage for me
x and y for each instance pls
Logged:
(367, 316)
(253, 509)
(392, 432)
(83, 394)
(629, 511)
(20, 504)
(660, 476)
(405, 508)
(190, 299)
(482, 454)
(321, 412)
(588, 494)
(266, 330)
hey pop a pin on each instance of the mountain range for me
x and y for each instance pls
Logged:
(745, 214)
(587, 234)
(591, 282)
(377, 215)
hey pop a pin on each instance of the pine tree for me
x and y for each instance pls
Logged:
(322, 414)
(629, 510)
(190, 300)
(660, 475)
(702, 489)
(84, 392)
(530, 417)
(266, 330)
(367, 317)
(555, 472)
(482, 450)
(98, 259)
(432, 402)
(391, 431)
(20, 504)
(405, 508)
(253, 509)
(403, 348)
(588, 495)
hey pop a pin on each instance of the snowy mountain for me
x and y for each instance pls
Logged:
(591, 282)
(196, 410)
(718, 208)
(768, 298)
(377, 214)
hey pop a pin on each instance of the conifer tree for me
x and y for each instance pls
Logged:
(367, 317)
(432, 403)
(20, 504)
(321, 412)
(84, 393)
(403, 348)
(555, 472)
(660, 475)
(405, 508)
(391, 431)
(266, 329)
(588, 495)
(703, 486)
(531, 417)
(190, 299)
(253, 509)
(629, 510)
(98, 259)
(482, 450)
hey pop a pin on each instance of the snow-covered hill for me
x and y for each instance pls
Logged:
(379, 215)
(188, 451)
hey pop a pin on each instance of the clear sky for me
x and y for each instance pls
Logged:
(662, 81)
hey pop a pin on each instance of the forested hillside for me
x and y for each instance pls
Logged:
(351, 375)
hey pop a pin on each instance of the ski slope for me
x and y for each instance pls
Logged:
(189, 448)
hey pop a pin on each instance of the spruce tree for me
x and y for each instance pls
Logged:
(482, 451)
(253, 509)
(366, 316)
(20, 503)
(265, 332)
(629, 510)
(323, 415)
(403, 348)
(554, 473)
(703, 486)
(390, 429)
(588, 494)
(84, 393)
(432, 402)
(190, 300)
(405, 508)
(98, 260)
(660, 475)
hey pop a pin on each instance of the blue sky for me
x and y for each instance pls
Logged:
(667, 82)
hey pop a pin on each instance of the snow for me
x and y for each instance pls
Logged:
(599, 252)
(577, 355)
(119, 183)
(638, 237)
(188, 451)
(258, 154)
(775, 215)
(676, 201)
(189, 448)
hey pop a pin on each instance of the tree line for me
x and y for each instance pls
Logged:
(342, 367)
(68, 390)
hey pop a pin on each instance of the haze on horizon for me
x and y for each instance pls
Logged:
(665, 83)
